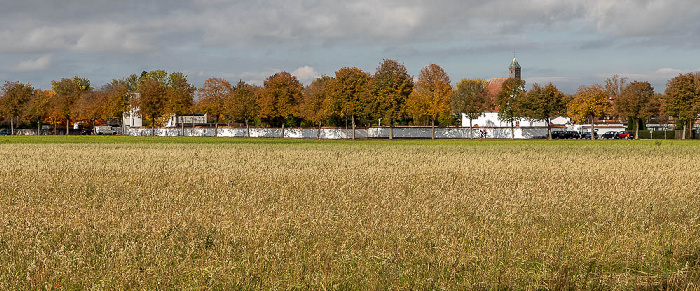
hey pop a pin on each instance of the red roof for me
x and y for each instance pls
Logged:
(493, 87)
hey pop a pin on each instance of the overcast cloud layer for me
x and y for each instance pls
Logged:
(570, 43)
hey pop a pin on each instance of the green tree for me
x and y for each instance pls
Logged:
(160, 76)
(242, 103)
(390, 86)
(349, 90)
(470, 99)
(211, 98)
(180, 97)
(152, 101)
(280, 99)
(314, 102)
(682, 99)
(507, 101)
(15, 96)
(431, 95)
(543, 103)
(636, 102)
(590, 102)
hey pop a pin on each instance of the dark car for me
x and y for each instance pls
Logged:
(569, 134)
(558, 134)
(625, 135)
(573, 134)
(5, 132)
(609, 135)
(587, 135)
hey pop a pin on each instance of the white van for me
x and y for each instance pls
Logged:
(105, 130)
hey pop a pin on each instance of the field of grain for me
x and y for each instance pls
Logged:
(234, 214)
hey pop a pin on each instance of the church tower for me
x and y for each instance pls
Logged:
(514, 70)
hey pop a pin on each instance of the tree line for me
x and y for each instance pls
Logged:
(351, 97)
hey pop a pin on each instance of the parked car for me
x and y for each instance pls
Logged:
(106, 130)
(86, 132)
(558, 134)
(609, 135)
(587, 135)
(5, 132)
(568, 134)
(625, 135)
(573, 134)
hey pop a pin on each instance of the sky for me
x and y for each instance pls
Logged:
(569, 43)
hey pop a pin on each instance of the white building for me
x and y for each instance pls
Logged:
(522, 128)
(490, 119)
(196, 118)
(132, 118)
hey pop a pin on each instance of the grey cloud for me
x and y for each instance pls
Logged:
(33, 65)
(137, 26)
(251, 36)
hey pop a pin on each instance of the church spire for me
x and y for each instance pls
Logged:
(514, 69)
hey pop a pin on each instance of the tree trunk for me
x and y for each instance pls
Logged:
(318, 133)
(282, 136)
(38, 127)
(192, 132)
(684, 130)
(12, 125)
(636, 130)
(67, 126)
(353, 127)
(690, 128)
(216, 127)
(55, 130)
(432, 128)
(471, 129)
(391, 129)
(247, 128)
(153, 126)
(549, 128)
(592, 129)
(512, 130)
(182, 128)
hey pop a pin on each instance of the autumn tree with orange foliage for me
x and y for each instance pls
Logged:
(180, 97)
(314, 104)
(508, 100)
(280, 99)
(38, 107)
(15, 96)
(211, 99)
(431, 96)
(68, 91)
(590, 102)
(682, 99)
(637, 101)
(242, 103)
(152, 100)
(90, 106)
(470, 99)
(117, 102)
(349, 93)
(542, 103)
(390, 87)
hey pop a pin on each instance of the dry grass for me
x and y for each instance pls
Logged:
(366, 215)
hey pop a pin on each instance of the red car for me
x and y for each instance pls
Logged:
(625, 135)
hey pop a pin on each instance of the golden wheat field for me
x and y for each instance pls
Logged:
(350, 215)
